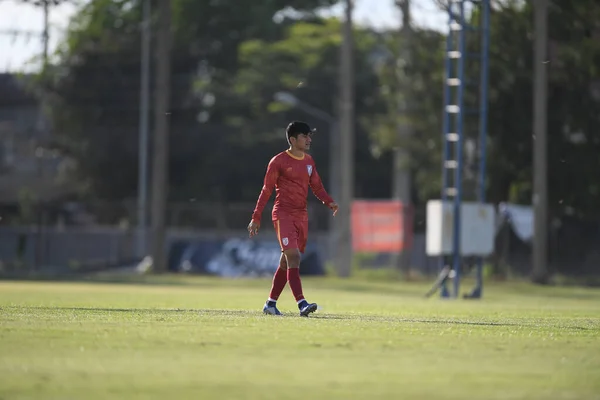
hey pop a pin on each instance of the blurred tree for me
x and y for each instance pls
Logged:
(93, 85)
(425, 75)
(304, 63)
(573, 105)
(228, 61)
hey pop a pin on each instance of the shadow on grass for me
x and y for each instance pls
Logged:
(376, 318)
(215, 312)
(562, 292)
(319, 316)
(413, 289)
(356, 285)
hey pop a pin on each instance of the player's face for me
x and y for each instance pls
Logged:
(303, 142)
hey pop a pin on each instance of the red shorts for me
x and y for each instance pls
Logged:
(292, 234)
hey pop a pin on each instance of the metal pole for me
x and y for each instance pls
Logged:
(540, 180)
(160, 183)
(46, 34)
(485, 36)
(456, 245)
(143, 134)
(334, 184)
(42, 122)
(485, 32)
(402, 181)
(334, 162)
(446, 123)
(344, 257)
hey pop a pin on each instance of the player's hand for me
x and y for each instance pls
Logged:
(334, 206)
(253, 227)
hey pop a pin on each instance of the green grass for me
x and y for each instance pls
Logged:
(200, 338)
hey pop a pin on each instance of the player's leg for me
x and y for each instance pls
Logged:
(285, 236)
(277, 286)
(293, 257)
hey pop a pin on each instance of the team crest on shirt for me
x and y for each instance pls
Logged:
(285, 241)
(309, 169)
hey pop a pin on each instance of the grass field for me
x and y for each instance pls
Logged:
(201, 338)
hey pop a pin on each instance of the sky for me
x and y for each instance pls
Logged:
(17, 51)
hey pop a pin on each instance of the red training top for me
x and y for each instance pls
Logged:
(290, 176)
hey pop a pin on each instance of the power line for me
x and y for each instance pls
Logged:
(45, 3)
(44, 34)
(20, 32)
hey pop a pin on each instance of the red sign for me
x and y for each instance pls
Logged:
(381, 226)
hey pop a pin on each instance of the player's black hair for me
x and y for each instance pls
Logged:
(296, 128)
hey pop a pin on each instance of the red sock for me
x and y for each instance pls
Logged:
(279, 281)
(293, 276)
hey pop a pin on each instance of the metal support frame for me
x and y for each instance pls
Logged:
(455, 84)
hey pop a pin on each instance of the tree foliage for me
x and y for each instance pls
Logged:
(573, 101)
(420, 84)
(93, 88)
(573, 107)
(229, 61)
(305, 63)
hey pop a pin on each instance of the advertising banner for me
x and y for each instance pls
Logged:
(235, 257)
(381, 226)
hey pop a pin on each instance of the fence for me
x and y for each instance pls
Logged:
(79, 241)
(67, 249)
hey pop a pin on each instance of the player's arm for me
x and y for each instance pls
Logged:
(316, 185)
(269, 182)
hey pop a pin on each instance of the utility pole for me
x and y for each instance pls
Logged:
(142, 215)
(160, 184)
(334, 187)
(46, 34)
(540, 139)
(343, 258)
(401, 187)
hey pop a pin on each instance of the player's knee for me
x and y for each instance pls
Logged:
(293, 258)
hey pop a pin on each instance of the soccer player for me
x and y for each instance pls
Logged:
(290, 172)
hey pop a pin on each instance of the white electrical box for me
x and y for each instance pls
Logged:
(477, 230)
